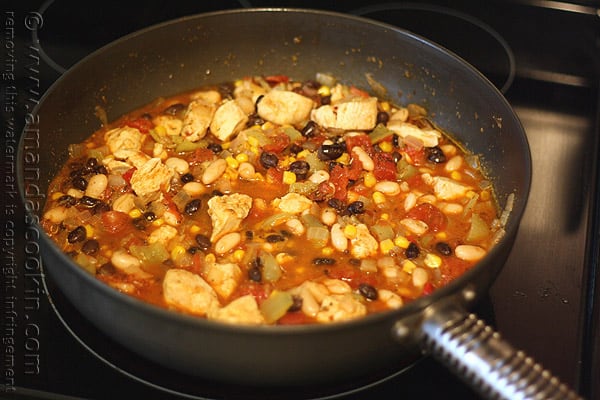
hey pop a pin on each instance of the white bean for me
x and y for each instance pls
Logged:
(400, 115)
(319, 176)
(295, 226)
(338, 239)
(448, 149)
(419, 277)
(328, 216)
(96, 186)
(56, 215)
(128, 264)
(214, 171)
(390, 298)
(124, 203)
(416, 226)
(469, 252)
(367, 162)
(246, 170)
(228, 242)
(454, 163)
(179, 165)
(337, 286)
(75, 193)
(310, 306)
(388, 188)
(410, 201)
(451, 208)
(194, 188)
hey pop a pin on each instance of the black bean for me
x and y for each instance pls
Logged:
(395, 141)
(79, 182)
(106, 269)
(101, 169)
(67, 200)
(396, 156)
(249, 235)
(356, 207)
(435, 154)
(88, 201)
(274, 238)
(175, 109)
(192, 206)
(226, 90)
(383, 117)
(185, 178)
(215, 148)
(295, 148)
(90, 247)
(268, 160)
(300, 168)
(100, 208)
(194, 249)
(139, 223)
(355, 261)
(255, 270)
(331, 151)
(77, 235)
(258, 99)
(216, 192)
(323, 261)
(296, 303)
(310, 129)
(337, 204)
(203, 242)
(325, 100)
(75, 166)
(149, 216)
(412, 251)
(368, 291)
(254, 119)
(443, 248)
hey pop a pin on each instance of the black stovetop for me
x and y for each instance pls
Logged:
(543, 55)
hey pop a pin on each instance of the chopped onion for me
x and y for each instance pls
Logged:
(325, 79)
(271, 269)
(116, 181)
(319, 236)
(276, 305)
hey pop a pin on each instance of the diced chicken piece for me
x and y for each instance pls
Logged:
(188, 292)
(354, 114)
(162, 234)
(210, 96)
(227, 213)
(112, 164)
(340, 307)
(125, 138)
(197, 119)
(128, 264)
(429, 137)
(391, 299)
(228, 120)
(449, 189)
(134, 158)
(363, 245)
(284, 107)
(243, 310)
(223, 278)
(249, 90)
(151, 177)
(293, 203)
(172, 125)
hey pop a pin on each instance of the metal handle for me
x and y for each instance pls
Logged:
(484, 360)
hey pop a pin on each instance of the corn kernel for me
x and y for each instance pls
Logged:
(232, 162)
(158, 222)
(456, 175)
(384, 217)
(484, 195)
(324, 91)
(89, 230)
(386, 146)
(57, 195)
(252, 141)
(385, 106)
(161, 130)
(135, 213)
(225, 145)
(289, 177)
(254, 150)
(238, 83)
(195, 229)
(344, 158)
(386, 246)
(432, 260)
(378, 197)
(441, 235)
(210, 258)
(402, 242)
(242, 157)
(408, 266)
(327, 251)
(238, 255)
(267, 125)
(350, 231)
(177, 252)
(303, 154)
(369, 179)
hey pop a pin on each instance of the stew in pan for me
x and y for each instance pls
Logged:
(273, 201)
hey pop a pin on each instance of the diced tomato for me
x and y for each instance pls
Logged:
(354, 169)
(142, 124)
(277, 144)
(274, 175)
(128, 174)
(417, 155)
(339, 178)
(200, 155)
(115, 221)
(452, 268)
(275, 79)
(294, 318)
(361, 140)
(431, 215)
(358, 92)
(428, 289)
(385, 167)
(259, 291)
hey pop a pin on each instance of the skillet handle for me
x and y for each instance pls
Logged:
(483, 359)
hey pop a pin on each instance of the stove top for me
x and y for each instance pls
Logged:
(543, 55)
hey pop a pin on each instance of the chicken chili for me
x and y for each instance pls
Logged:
(273, 201)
